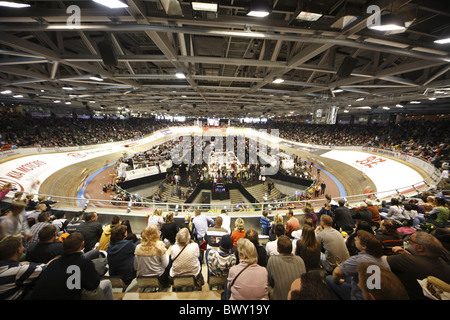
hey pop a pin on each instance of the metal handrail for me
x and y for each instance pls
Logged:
(142, 208)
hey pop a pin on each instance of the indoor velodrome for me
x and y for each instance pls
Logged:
(249, 150)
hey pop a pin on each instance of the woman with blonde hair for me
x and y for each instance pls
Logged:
(277, 219)
(5, 189)
(247, 280)
(155, 218)
(151, 258)
(239, 231)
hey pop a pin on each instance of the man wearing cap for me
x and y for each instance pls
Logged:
(220, 260)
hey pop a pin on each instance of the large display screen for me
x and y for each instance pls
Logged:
(213, 122)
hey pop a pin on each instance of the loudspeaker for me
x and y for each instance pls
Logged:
(347, 67)
(107, 53)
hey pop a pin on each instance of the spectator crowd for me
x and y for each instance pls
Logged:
(311, 255)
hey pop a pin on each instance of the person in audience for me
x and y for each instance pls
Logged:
(169, 229)
(419, 259)
(60, 221)
(48, 203)
(72, 276)
(226, 220)
(185, 256)
(106, 235)
(155, 218)
(217, 226)
(389, 288)
(350, 240)
(253, 236)
(32, 216)
(31, 203)
(151, 258)
(429, 203)
(409, 214)
(292, 223)
(91, 230)
(11, 250)
(439, 215)
(343, 220)
(271, 246)
(48, 246)
(308, 248)
(247, 280)
(310, 214)
(334, 250)
(73, 224)
(5, 189)
(376, 218)
(201, 224)
(188, 225)
(265, 223)
(42, 221)
(326, 209)
(296, 235)
(277, 219)
(239, 231)
(120, 254)
(310, 286)
(389, 236)
(15, 222)
(394, 212)
(383, 209)
(362, 213)
(219, 260)
(283, 269)
(130, 235)
(344, 280)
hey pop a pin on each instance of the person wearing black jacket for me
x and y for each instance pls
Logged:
(343, 220)
(91, 229)
(71, 275)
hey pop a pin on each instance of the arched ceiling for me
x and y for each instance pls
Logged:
(228, 58)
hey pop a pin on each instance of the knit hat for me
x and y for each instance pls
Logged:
(225, 243)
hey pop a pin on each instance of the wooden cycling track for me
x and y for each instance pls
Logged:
(67, 181)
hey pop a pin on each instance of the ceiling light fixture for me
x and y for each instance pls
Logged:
(278, 80)
(14, 4)
(96, 77)
(18, 96)
(204, 6)
(443, 40)
(389, 22)
(112, 4)
(259, 8)
(309, 16)
(67, 88)
(180, 75)
(337, 90)
(6, 92)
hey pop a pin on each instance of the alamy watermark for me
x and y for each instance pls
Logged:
(374, 280)
(234, 151)
(74, 280)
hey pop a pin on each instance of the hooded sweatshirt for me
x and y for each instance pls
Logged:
(105, 238)
(121, 259)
